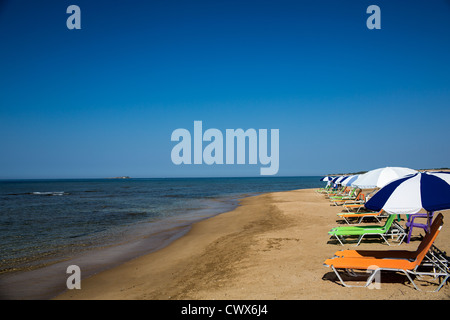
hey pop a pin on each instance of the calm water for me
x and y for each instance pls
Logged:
(45, 221)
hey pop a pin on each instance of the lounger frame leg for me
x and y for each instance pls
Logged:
(434, 274)
(368, 282)
(445, 276)
(337, 237)
(362, 236)
(359, 240)
(371, 277)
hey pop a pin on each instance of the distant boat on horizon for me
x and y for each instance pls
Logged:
(123, 177)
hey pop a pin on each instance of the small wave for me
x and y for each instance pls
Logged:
(51, 193)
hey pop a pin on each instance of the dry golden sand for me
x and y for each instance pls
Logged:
(271, 247)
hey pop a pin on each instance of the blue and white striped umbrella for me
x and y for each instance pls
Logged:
(333, 181)
(408, 195)
(349, 180)
(327, 178)
(339, 179)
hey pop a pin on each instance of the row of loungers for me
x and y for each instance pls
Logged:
(427, 260)
(391, 229)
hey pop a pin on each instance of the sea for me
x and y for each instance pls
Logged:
(47, 225)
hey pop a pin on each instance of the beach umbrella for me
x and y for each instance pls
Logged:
(349, 180)
(410, 194)
(328, 179)
(378, 178)
(333, 181)
(342, 179)
(339, 179)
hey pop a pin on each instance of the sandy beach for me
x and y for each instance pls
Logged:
(271, 247)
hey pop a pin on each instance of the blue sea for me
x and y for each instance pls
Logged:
(103, 222)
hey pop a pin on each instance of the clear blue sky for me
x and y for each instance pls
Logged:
(103, 101)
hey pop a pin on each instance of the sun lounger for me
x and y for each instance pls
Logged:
(410, 263)
(354, 206)
(358, 198)
(329, 187)
(348, 193)
(360, 216)
(337, 191)
(358, 203)
(390, 229)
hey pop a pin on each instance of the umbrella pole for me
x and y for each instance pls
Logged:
(429, 218)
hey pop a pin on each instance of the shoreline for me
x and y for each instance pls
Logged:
(201, 232)
(272, 246)
(51, 279)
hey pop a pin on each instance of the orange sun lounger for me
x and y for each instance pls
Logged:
(354, 206)
(362, 215)
(407, 262)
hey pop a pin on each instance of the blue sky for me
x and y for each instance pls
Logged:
(103, 101)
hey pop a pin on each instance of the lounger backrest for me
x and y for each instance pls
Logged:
(389, 221)
(429, 238)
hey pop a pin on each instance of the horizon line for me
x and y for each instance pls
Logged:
(181, 177)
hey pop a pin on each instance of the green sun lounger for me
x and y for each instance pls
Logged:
(351, 195)
(390, 229)
(327, 188)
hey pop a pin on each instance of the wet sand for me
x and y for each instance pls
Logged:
(271, 247)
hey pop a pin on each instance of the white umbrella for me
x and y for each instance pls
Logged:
(378, 178)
